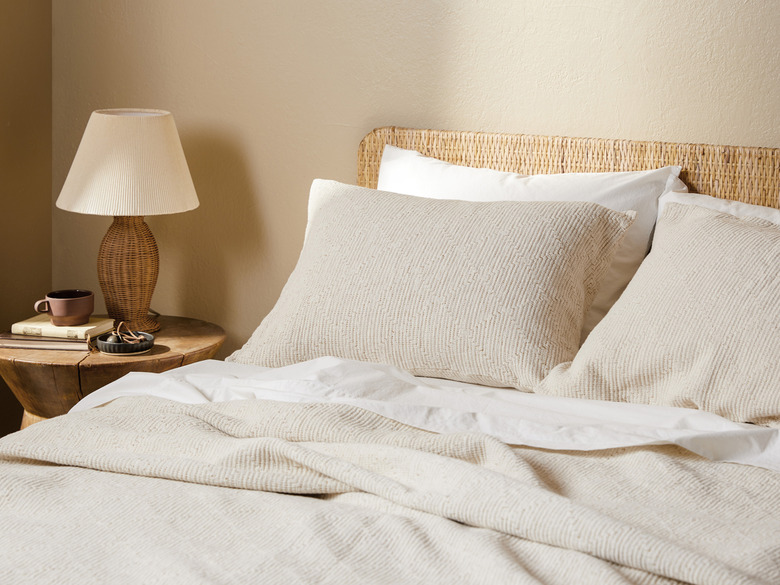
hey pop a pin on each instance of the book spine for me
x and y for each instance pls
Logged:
(46, 346)
(52, 331)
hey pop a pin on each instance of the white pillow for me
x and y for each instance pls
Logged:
(411, 173)
(735, 208)
(490, 293)
(697, 327)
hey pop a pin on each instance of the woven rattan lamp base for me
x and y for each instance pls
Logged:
(128, 264)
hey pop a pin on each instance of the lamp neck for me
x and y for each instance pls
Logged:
(129, 219)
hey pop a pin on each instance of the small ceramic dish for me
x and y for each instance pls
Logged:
(105, 346)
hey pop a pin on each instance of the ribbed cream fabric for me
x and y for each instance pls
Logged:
(409, 172)
(492, 293)
(189, 500)
(129, 162)
(697, 327)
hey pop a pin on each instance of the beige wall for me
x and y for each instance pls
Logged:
(25, 169)
(269, 95)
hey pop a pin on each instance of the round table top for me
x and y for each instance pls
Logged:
(50, 382)
(177, 335)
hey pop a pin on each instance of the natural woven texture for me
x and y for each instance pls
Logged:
(741, 173)
(493, 293)
(128, 264)
(698, 326)
(191, 504)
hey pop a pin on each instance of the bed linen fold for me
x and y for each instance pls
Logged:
(640, 515)
(445, 406)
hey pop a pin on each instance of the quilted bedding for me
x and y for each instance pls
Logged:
(258, 491)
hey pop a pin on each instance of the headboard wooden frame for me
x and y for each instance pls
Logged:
(749, 174)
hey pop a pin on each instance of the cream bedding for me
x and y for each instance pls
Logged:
(214, 492)
(487, 292)
(698, 326)
(447, 406)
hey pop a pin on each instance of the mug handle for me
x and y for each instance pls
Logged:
(39, 308)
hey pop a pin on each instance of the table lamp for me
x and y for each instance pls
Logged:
(129, 164)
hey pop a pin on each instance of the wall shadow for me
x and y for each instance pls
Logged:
(204, 253)
(25, 168)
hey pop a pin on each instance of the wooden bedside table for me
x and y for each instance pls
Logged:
(49, 382)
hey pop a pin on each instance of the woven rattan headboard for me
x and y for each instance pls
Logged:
(731, 172)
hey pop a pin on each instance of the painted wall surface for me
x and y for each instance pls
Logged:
(269, 95)
(25, 169)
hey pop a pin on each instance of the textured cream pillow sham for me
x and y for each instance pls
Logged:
(697, 327)
(491, 293)
(411, 173)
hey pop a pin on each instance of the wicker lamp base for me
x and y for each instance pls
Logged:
(128, 264)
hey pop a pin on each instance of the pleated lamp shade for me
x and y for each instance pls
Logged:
(129, 164)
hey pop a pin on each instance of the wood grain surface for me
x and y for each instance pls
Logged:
(48, 382)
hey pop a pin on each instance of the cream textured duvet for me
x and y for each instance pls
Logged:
(268, 492)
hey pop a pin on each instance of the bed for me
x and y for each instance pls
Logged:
(445, 393)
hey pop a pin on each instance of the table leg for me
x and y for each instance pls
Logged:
(28, 418)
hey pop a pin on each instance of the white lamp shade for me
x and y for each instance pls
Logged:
(129, 163)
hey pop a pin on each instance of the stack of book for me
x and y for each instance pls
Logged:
(38, 333)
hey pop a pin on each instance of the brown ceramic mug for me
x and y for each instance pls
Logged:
(67, 307)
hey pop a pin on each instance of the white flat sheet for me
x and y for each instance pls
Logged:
(444, 406)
